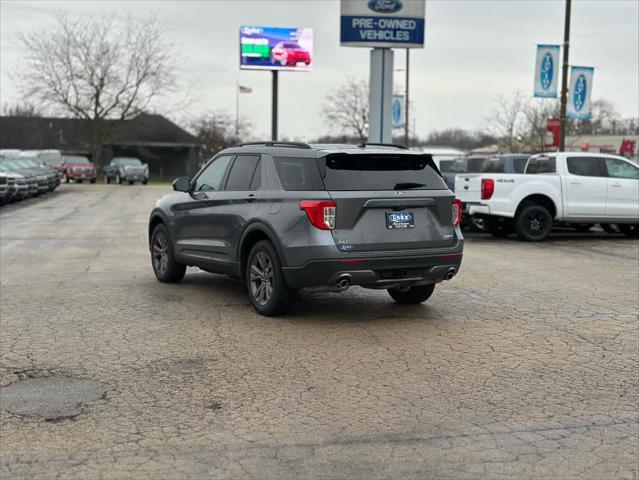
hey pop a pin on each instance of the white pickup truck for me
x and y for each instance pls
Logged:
(575, 188)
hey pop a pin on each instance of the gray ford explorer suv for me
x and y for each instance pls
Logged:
(285, 216)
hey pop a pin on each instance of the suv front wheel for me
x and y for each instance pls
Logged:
(265, 283)
(412, 295)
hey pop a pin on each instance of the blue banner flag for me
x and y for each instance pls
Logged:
(546, 71)
(579, 93)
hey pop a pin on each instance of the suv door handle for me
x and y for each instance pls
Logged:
(575, 182)
(616, 185)
(249, 198)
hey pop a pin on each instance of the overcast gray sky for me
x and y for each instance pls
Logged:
(475, 51)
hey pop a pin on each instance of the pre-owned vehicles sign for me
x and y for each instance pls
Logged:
(382, 23)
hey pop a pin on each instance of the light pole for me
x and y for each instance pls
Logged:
(406, 93)
(564, 80)
(406, 133)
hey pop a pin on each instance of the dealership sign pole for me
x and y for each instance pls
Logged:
(382, 25)
(275, 49)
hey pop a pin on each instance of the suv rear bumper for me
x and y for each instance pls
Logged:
(385, 272)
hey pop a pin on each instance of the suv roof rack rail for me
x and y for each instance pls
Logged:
(277, 144)
(394, 145)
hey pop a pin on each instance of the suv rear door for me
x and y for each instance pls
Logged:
(388, 202)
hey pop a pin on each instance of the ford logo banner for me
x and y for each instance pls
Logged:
(547, 71)
(579, 95)
(385, 6)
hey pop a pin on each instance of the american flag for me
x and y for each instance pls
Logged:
(244, 89)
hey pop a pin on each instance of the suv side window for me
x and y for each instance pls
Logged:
(242, 172)
(583, 166)
(541, 165)
(294, 173)
(620, 169)
(210, 179)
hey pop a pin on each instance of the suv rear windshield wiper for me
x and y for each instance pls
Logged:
(408, 185)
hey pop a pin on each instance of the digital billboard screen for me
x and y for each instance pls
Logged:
(270, 48)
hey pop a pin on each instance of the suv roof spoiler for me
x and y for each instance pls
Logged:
(276, 144)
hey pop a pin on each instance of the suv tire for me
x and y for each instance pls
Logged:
(265, 283)
(413, 295)
(533, 223)
(165, 267)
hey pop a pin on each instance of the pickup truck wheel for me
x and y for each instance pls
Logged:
(609, 228)
(499, 227)
(583, 227)
(131, 182)
(107, 179)
(165, 267)
(630, 230)
(533, 223)
(266, 286)
(412, 295)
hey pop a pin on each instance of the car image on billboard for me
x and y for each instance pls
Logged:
(271, 48)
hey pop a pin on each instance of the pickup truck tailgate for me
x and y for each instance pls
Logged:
(468, 187)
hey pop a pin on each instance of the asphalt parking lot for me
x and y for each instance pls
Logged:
(524, 366)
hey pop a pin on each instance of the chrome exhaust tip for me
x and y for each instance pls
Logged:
(451, 273)
(343, 283)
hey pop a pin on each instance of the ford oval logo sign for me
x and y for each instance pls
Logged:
(385, 6)
(579, 95)
(546, 71)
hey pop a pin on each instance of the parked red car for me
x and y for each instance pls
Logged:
(290, 53)
(77, 168)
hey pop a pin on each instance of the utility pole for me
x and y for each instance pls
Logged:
(564, 80)
(406, 121)
(237, 109)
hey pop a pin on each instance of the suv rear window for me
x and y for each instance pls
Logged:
(541, 165)
(380, 172)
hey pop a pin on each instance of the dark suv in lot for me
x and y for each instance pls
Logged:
(283, 216)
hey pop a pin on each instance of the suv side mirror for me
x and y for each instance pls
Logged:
(181, 184)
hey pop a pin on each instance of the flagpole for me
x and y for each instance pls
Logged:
(237, 109)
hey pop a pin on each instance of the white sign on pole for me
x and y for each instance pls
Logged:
(579, 93)
(382, 23)
(546, 71)
(399, 111)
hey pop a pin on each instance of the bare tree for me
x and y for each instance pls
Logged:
(97, 69)
(536, 114)
(346, 107)
(507, 120)
(21, 109)
(217, 131)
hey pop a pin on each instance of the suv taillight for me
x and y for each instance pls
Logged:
(457, 211)
(321, 213)
(487, 188)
